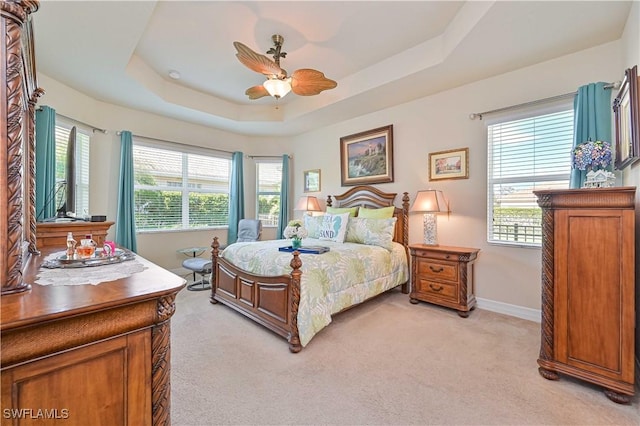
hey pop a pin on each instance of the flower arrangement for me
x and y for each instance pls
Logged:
(592, 155)
(296, 232)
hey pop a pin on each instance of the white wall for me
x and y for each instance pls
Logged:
(441, 122)
(435, 123)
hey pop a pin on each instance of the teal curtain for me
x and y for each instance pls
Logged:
(236, 196)
(45, 162)
(125, 221)
(592, 120)
(284, 198)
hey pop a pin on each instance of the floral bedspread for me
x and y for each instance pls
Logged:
(346, 275)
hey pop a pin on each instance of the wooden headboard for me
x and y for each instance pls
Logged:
(370, 197)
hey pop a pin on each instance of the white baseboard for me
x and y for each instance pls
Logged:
(512, 310)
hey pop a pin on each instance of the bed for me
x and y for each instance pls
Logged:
(295, 294)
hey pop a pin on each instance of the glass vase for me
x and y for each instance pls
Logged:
(296, 243)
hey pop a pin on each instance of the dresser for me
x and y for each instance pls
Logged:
(588, 295)
(444, 276)
(88, 354)
(55, 233)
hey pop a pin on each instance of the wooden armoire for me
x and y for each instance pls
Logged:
(588, 295)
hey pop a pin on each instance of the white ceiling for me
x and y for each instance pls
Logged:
(381, 53)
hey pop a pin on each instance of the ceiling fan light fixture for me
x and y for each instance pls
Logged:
(278, 88)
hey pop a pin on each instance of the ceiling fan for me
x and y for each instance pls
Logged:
(303, 82)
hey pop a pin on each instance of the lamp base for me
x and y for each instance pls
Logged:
(430, 229)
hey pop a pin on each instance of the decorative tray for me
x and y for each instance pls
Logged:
(306, 249)
(63, 261)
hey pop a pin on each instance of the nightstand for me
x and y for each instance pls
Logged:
(443, 276)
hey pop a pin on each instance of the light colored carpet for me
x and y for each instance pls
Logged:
(386, 362)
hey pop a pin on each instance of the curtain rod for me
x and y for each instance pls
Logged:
(93, 128)
(266, 156)
(119, 132)
(479, 115)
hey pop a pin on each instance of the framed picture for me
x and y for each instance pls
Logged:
(367, 157)
(312, 181)
(626, 111)
(452, 164)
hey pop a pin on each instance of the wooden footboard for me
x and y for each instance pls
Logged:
(270, 301)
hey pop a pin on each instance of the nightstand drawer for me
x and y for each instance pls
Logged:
(439, 289)
(437, 270)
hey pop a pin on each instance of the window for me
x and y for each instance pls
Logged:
(269, 176)
(179, 187)
(525, 155)
(81, 167)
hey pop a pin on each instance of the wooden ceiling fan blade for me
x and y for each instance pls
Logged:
(256, 92)
(309, 82)
(257, 62)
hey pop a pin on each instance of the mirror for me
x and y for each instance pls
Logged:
(627, 120)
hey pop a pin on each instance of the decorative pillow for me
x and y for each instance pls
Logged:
(377, 232)
(380, 233)
(356, 230)
(334, 227)
(313, 224)
(381, 213)
(353, 211)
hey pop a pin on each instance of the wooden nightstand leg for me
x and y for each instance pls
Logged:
(463, 314)
(414, 301)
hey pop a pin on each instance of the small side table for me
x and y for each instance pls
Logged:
(194, 252)
(444, 276)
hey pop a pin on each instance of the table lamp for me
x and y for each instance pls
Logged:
(430, 202)
(307, 204)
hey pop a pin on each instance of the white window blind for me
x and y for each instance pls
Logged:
(177, 188)
(269, 182)
(525, 155)
(83, 140)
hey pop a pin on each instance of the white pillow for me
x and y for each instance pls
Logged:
(334, 227)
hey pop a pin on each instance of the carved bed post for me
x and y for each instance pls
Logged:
(215, 251)
(329, 201)
(294, 335)
(405, 232)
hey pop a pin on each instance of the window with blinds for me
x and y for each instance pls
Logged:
(83, 138)
(178, 188)
(269, 182)
(525, 155)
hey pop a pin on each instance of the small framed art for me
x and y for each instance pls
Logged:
(452, 164)
(312, 180)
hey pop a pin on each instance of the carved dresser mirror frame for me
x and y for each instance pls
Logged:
(17, 158)
(626, 111)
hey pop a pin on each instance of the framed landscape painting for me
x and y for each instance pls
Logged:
(367, 157)
(452, 164)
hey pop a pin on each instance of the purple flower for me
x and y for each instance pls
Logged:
(593, 155)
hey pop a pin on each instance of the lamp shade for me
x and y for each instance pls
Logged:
(278, 88)
(429, 201)
(308, 204)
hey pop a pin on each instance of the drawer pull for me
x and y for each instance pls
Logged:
(434, 288)
(440, 269)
